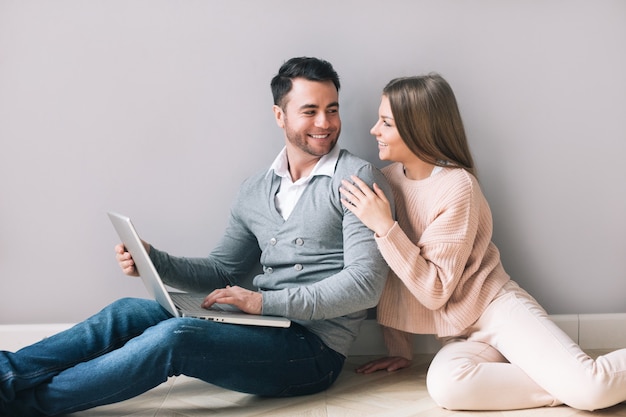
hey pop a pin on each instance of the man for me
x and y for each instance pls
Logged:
(321, 269)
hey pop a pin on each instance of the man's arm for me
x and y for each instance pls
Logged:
(356, 287)
(232, 260)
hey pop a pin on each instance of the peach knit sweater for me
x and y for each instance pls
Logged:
(444, 268)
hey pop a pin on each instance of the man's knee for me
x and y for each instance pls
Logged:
(179, 333)
(133, 304)
(128, 316)
(135, 307)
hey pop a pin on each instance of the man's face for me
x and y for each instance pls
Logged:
(310, 117)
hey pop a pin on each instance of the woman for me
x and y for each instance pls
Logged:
(500, 350)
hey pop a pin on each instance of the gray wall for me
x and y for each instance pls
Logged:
(158, 109)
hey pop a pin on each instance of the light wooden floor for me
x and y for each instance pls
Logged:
(399, 394)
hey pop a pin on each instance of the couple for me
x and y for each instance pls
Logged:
(330, 249)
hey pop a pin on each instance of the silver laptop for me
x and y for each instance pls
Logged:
(181, 304)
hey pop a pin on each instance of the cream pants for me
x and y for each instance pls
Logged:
(515, 357)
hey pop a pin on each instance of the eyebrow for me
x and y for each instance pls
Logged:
(314, 106)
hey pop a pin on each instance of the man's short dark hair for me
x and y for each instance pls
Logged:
(312, 69)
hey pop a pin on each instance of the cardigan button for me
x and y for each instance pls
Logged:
(273, 241)
(299, 241)
(269, 270)
(297, 267)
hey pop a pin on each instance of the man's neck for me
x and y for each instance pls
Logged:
(300, 164)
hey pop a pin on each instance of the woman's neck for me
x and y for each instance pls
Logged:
(417, 169)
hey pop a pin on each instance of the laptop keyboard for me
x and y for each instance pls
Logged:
(187, 302)
(193, 302)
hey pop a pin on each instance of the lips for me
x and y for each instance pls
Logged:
(320, 136)
(382, 144)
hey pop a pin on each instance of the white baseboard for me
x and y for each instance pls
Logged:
(590, 331)
(602, 331)
(16, 336)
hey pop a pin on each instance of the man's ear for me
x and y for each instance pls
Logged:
(280, 116)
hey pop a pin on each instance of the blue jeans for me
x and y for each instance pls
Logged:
(134, 345)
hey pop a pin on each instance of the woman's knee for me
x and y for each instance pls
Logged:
(443, 387)
(451, 383)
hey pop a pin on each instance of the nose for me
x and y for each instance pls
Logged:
(321, 120)
(374, 130)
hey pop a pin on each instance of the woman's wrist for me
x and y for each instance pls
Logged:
(383, 229)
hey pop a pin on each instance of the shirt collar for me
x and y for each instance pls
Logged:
(325, 166)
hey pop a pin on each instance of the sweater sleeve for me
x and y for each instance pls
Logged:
(398, 343)
(431, 266)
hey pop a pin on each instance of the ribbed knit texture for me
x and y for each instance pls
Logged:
(445, 269)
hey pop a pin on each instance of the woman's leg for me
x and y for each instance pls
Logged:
(468, 375)
(522, 331)
(260, 360)
(517, 327)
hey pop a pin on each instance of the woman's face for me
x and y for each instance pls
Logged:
(391, 147)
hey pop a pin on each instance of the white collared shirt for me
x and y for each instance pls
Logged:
(289, 192)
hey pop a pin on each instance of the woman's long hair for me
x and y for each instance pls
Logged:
(427, 116)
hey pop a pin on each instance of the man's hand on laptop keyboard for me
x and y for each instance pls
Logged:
(248, 301)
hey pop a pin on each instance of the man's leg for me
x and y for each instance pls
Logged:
(260, 360)
(107, 330)
(265, 361)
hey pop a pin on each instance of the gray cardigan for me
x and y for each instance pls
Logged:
(321, 266)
